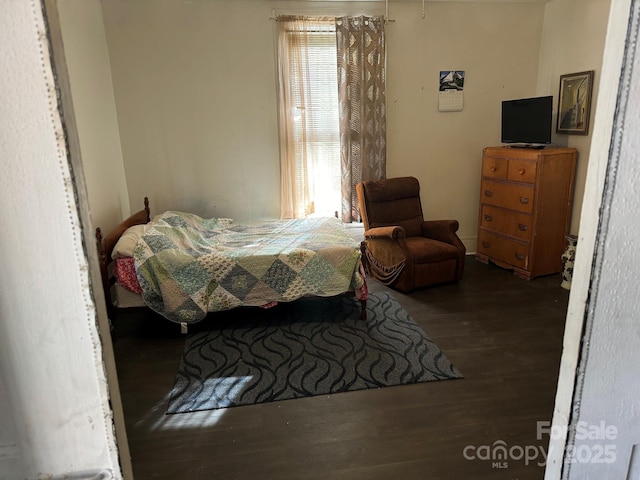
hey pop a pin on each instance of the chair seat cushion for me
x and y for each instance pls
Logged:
(427, 250)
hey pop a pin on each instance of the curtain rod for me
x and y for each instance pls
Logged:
(386, 20)
(385, 17)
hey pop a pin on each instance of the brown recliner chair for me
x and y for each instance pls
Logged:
(401, 249)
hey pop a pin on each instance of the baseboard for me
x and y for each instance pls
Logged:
(471, 244)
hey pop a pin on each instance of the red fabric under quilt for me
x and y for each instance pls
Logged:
(125, 273)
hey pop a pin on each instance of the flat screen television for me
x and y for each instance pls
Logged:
(527, 121)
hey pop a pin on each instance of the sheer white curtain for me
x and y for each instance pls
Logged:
(308, 116)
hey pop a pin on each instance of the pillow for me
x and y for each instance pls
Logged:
(128, 240)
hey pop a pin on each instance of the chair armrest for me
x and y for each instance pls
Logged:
(394, 232)
(442, 230)
(385, 252)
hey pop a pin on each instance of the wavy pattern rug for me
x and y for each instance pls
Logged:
(314, 346)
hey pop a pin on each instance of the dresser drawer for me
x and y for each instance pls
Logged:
(508, 195)
(494, 167)
(503, 249)
(511, 223)
(521, 171)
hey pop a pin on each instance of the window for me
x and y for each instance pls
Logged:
(309, 97)
(331, 112)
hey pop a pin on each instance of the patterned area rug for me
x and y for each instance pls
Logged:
(313, 346)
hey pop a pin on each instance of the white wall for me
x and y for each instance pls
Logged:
(84, 78)
(10, 461)
(602, 334)
(590, 267)
(199, 126)
(573, 41)
(444, 149)
(195, 90)
(610, 394)
(87, 59)
(195, 93)
(50, 352)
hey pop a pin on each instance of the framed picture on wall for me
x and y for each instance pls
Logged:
(574, 103)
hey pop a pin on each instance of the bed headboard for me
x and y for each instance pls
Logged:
(105, 247)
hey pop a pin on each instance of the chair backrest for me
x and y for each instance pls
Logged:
(391, 201)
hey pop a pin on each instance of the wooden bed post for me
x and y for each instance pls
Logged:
(104, 262)
(147, 209)
(363, 312)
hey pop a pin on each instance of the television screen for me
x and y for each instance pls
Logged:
(527, 121)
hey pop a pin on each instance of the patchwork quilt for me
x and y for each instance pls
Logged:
(188, 266)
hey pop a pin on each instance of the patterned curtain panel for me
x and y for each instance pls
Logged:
(361, 92)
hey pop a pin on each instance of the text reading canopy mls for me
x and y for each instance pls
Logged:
(526, 122)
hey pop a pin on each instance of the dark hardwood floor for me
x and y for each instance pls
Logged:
(503, 333)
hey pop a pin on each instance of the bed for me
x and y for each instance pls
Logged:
(183, 266)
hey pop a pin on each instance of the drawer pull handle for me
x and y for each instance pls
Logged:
(488, 218)
(488, 193)
(485, 244)
(519, 256)
(493, 168)
(522, 227)
(521, 171)
(524, 200)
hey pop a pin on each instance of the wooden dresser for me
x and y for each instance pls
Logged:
(525, 208)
